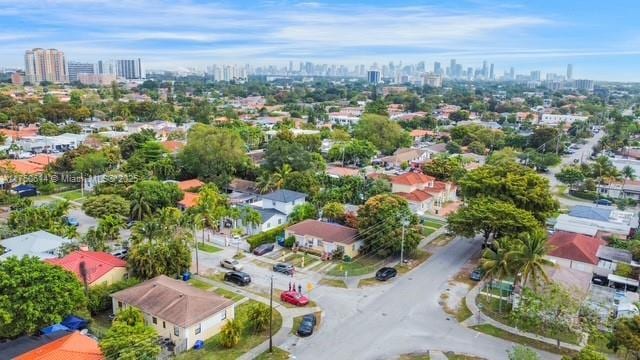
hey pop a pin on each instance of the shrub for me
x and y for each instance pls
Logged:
(264, 237)
(289, 242)
(47, 188)
(257, 317)
(99, 299)
(102, 205)
(230, 333)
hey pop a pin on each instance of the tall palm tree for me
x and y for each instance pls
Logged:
(496, 262)
(250, 217)
(628, 173)
(528, 257)
(140, 207)
(280, 176)
(265, 183)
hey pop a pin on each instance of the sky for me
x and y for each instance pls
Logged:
(601, 38)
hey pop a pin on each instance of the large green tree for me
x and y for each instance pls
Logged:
(103, 205)
(445, 168)
(384, 134)
(34, 294)
(626, 335)
(157, 194)
(129, 338)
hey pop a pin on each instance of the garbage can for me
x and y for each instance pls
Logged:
(198, 345)
(186, 276)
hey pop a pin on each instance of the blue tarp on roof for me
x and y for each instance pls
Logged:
(75, 323)
(54, 328)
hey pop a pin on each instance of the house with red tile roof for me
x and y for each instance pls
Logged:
(574, 251)
(73, 346)
(423, 192)
(340, 171)
(188, 201)
(102, 268)
(172, 146)
(191, 185)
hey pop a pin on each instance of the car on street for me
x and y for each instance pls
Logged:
(231, 264)
(477, 274)
(263, 249)
(284, 268)
(131, 223)
(307, 325)
(120, 253)
(604, 202)
(386, 273)
(238, 277)
(294, 298)
(71, 221)
(25, 190)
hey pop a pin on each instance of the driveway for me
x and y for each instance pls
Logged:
(397, 318)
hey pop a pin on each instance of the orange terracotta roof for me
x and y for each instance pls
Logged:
(73, 346)
(412, 178)
(42, 159)
(24, 132)
(22, 166)
(342, 171)
(415, 196)
(190, 200)
(576, 247)
(420, 133)
(172, 146)
(96, 263)
(190, 185)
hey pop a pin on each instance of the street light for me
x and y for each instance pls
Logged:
(271, 316)
(195, 242)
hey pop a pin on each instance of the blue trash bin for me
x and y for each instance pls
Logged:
(198, 345)
(186, 276)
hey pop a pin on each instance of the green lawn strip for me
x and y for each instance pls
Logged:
(416, 356)
(499, 333)
(415, 259)
(453, 356)
(208, 248)
(200, 284)
(298, 320)
(333, 283)
(369, 282)
(216, 277)
(276, 298)
(277, 354)
(426, 231)
(72, 195)
(463, 312)
(100, 323)
(263, 264)
(491, 307)
(229, 294)
(358, 266)
(248, 340)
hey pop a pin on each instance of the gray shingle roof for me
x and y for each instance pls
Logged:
(591, 212)
(284, 195)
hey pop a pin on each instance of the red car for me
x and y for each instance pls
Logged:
(294, 298)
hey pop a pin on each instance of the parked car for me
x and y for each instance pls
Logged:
(386, 273)
(231, 264)
(131, 223)
(120, 253)
(284, 268)
(603, 202)
(71, 221)
(25, 190)
(263, 249)
(237, 277)
(477, 274)
(307, 325)
(294, 298)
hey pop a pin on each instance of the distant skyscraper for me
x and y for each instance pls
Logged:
(437, 68)
(584, 84)
(512, 73)
(373, 76)
(76, 68)
(570, 72)
(492, 76)
(45, 65)
(485, 71)
(129, 69)
(290, 66)
(535, 75)
(106, 68)
(452, 68)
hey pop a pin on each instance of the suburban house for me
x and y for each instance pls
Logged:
(629, 189)
(30, 166)
(598, 221)
(341, 171)
(242, 191)
(274, 208)
(413, 157)
(192, 185)
(609, 259)
(325, 237)
(574, 251)
(176, 309)
(423, 192)
(101, 268)
(40, 244)
(53, 346)
(190, 190)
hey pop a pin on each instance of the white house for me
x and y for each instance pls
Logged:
(40, 244)
(274, 209)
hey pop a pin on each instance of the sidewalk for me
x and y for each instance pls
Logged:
(479, 318)
(287, 316)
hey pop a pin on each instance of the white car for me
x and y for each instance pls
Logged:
(231, 264)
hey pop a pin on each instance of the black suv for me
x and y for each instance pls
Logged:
(386, 273)
(238, 278)
(307, 325)
(286, 269)
(263, 249)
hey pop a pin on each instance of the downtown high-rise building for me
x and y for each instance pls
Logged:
(437, 68)
(570, 72)
(492, 75)
(129, 69)
(45, 65)
(76, 68)
(373, 76)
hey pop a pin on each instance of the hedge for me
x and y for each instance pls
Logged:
(264, 237)
(587, 195)
(100, 295)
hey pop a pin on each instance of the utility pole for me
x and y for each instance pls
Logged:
(195, 242)
(271, 316)
(404, 224)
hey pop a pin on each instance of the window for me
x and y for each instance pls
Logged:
(279, 221)
(224, 314)
(273, 203)
(319, 242)
(176, 331)
(154, 320)
(119, 304)
(198, 329)
(164, 325)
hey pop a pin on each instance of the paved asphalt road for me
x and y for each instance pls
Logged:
(401, 317)
(581, 155)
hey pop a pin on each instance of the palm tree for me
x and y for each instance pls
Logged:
(528, 257)
(140, 207)
(109, 227)
(265, 183)
(250, 217)
(281, 174)
(628, 173)
(495, 262)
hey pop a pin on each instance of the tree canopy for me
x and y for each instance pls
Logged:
(384, 134)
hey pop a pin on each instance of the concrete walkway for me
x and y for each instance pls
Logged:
(479, 318)
(288, 314)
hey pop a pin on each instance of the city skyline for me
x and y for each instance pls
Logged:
(169, 36)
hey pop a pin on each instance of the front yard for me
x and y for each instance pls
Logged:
(213, 349)
(208, 248)
(362, 265)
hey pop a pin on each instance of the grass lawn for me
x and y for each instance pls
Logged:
(208, 248)
(277, 354)
(298, 319)
(358, 266)
(494, 331)
(415, 356)
(216, 277)
(426, 231)
(296, 260)
(276, 298)
(372, 281)
(463, 312)
(333, 283)
(453, 356)
(441, 240)
(248, 340)
(72, 195)
(200, 284)
(228, 294)
(415, 259)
